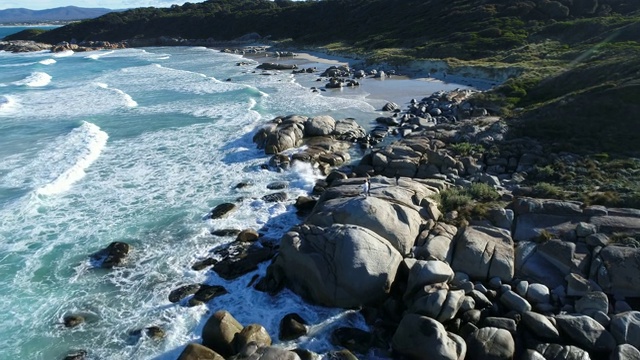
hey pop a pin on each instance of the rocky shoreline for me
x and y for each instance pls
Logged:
(525, 278)
(502, 275)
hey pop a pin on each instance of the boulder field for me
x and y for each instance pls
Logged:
(535, 279)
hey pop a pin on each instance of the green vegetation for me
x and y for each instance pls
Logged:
(466, 148)
(473, 202)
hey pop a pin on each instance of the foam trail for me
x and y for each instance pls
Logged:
(88, 141)
(128, 100)
(36, 79)
(48, 62)
(99, 55)
(64, 53)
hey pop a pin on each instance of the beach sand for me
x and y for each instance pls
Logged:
(400, 88)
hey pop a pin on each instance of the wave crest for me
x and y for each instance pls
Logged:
(84, 145)
(36, 79)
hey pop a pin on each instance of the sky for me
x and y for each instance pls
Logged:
(109, 4)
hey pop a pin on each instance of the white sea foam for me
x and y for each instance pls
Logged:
(8, 104)
(98, 55)
(65, 53)
(128, 100)
(36, 79)
(48, 61)
(17, 65)
(85, 145)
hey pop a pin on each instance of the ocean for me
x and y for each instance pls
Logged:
(138, 145)
(8, 30)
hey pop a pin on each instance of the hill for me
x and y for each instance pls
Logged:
(68, 13)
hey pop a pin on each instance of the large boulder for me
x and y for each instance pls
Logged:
(625, 352)
(438, 243)
(550, 262)
(560, 352)
(254, 351)
(586, 333)
(252, 333)
(391, 211)
(281, 134)
(195, 351)
(491, 343)
(341, 265)
(319, 126)
(616, 268)
(219, 331)
(484, 253)
(427, 272)
(625, 327)
(420, 337)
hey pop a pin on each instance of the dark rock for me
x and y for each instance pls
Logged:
(341, 355)
(243, 185)
(491, 344)
(152, 332)
(304, 203)
(278, 185)
(76, 355)
(248, 235)
(222, 210)
(390, 106)
(225, 232)
(72, 321)
(246, 261)
(274, 66)
(113, 255)
(207, 293)
(203, 264)
(292, 326)
(275, 197)
(353, 339)
(182, 292)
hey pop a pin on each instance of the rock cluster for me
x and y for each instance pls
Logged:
(326, 140)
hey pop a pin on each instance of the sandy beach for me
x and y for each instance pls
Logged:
(400, 87)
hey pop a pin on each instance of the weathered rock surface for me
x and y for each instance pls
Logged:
(586, 332)
(484, 252)
(418, 336)
(219, 331)
(491, 343)
(341, 265)
(195, 351)
(625, 328)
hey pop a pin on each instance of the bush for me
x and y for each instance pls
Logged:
(483, 192)
(544, 189)
(453, 199)
(465, 148)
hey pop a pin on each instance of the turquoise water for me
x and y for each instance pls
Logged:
(137, 145)
(8, 30)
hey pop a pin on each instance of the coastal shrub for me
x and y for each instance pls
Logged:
(483, 192)
(545, 189)
(544, 236)
(466, 148)
(623, 239)
(453, 199)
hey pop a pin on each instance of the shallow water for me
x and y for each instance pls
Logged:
(137, 145)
